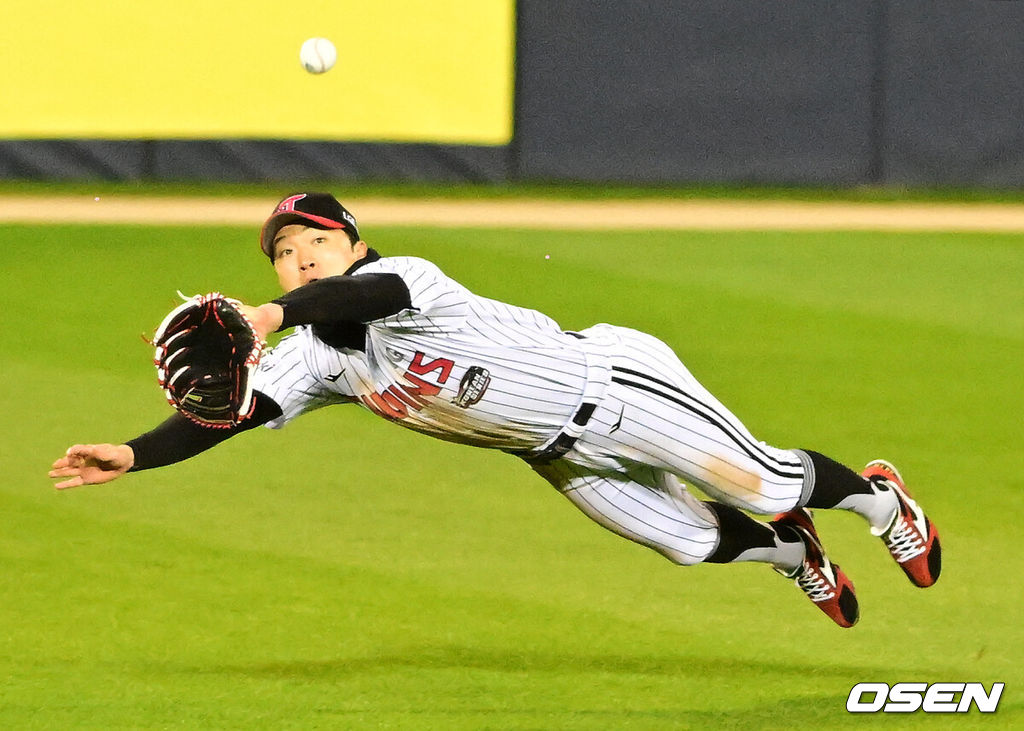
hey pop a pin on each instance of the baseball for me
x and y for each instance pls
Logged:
(318, 55)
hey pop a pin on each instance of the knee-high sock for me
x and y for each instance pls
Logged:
(741, 538)
(837, 486)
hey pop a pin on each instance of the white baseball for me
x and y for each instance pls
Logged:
(318, 55)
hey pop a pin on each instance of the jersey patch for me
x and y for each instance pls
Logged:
(472, 386)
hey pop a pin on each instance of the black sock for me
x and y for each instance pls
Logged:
(738, 532)
(833, 482)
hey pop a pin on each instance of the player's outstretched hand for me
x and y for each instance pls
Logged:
(92, 464)
(265, 319)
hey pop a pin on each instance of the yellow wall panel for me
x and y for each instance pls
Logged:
(439, 71)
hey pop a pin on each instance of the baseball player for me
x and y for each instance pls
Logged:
(608, 415)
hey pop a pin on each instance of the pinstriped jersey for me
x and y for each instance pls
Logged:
(454, 365)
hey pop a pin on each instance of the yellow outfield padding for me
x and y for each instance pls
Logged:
(407, 71)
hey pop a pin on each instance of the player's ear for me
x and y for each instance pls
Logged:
(359, 249)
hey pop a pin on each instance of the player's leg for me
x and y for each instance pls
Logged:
(656, 412)
(638, 506)
(790, 544)
(652, 508)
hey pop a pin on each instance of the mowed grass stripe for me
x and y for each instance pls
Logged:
(347, 573)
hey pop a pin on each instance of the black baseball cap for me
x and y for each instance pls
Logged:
(317, 210)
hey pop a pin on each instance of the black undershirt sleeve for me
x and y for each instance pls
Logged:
(329, 301)
(177, 438)
(345, 298)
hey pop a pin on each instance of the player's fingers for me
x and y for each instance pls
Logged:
(58, 463)
(64, 472)
(80, 454)
(73, 482)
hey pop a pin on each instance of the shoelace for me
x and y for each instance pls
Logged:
(905, 541)
(814, 584)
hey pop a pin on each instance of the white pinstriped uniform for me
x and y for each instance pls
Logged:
(472, 370)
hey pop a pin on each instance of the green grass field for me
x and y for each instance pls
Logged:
(346, 573)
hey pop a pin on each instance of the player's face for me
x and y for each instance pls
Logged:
(302, 254)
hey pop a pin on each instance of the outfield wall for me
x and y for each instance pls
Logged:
(816, 92)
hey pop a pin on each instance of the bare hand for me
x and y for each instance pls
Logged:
(265, 319)
(92, 464)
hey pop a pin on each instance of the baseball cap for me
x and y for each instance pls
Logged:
(317, 210)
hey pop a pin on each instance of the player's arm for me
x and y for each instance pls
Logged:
(174, 440)
(344, 298)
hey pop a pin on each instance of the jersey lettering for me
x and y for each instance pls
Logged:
(396, 400)
(438, 364)
(420, 388)
(376, 403)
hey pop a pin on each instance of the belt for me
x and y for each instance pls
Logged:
(557, 448)
(564, 441)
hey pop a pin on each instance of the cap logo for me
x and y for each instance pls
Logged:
(288, 204)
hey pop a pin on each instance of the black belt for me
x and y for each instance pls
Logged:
(563, 442)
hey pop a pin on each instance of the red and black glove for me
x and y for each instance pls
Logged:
(206, 352)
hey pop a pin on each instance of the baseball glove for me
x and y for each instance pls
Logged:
(206, 352)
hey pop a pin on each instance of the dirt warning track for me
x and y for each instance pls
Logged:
(534, 214)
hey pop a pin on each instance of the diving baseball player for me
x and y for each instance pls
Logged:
(608, 415)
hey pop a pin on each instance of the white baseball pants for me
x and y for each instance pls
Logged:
(656, 423)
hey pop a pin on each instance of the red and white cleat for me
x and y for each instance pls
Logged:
(822, 581)
(910, 537)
